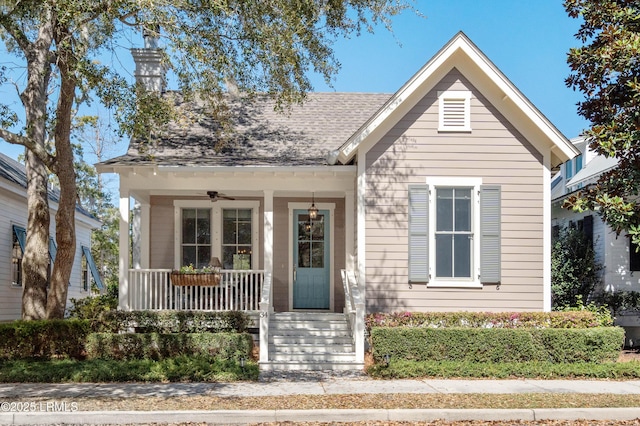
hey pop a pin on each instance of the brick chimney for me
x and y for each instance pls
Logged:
(150, 72)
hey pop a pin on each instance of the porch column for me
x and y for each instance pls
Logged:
(123, 298)
(145, 240)
(268, 232)
(349, 237)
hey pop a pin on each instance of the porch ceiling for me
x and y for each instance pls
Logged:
(292, 182)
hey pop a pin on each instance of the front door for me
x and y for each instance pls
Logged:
(311, 265)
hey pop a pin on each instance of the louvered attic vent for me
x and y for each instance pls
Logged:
(454, 114)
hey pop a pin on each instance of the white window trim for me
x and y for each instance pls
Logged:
(463, 95)
(433, 183)
(216, 224)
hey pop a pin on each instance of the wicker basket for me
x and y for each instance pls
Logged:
(198, 278)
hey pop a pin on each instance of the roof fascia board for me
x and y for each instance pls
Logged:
(453, 55)
(126, 169)
(349, 148)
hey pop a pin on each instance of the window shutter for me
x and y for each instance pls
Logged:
(21, 235)
(92, 266)
(418, 233)
(53, 249)
(587, 228)
(490, 244)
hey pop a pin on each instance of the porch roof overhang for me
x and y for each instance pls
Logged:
(192, 181)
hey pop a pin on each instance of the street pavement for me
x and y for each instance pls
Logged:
(282, 384)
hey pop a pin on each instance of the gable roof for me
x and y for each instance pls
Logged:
(15, 172)
(464, 55)
(261, 136)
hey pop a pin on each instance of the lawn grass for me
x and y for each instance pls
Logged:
(209, 369)
(353, 401)
(402, 369)
(179, 369)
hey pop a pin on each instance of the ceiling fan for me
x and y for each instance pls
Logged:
(215, 196)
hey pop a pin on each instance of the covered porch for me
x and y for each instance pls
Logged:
(258, 226)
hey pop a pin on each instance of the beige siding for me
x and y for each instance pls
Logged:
(494, 151)
(162, 244)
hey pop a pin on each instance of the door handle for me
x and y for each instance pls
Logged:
(295, 273)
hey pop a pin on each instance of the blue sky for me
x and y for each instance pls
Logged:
(527, 40)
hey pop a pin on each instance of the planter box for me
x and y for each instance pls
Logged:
(199, 278)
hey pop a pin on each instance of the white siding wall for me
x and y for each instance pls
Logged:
(13, 211)
(611, 251)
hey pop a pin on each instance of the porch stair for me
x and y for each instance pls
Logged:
(310, 341)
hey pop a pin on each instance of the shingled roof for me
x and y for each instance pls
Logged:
(261, 136)
(15, 172)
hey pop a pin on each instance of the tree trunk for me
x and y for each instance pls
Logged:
(35, 262)
(65, 170)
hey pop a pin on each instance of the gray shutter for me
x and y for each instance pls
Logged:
(418, 233)
(490, 243)
(92, 267)
(53, 249)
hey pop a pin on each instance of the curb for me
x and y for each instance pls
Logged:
(257, 416)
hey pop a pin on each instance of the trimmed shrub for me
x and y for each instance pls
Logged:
(162, 346)
(175, 322)
(574, 319)
(497, 345)
(43, 339)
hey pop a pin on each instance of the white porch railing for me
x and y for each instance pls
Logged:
(354, 310)
(266, 308)
(151, 289)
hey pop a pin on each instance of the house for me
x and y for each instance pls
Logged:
(13, 225)
(614, 252)
(436, 197)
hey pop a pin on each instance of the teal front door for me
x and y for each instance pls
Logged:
(311, 265)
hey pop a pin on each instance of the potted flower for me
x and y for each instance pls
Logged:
(206, 276)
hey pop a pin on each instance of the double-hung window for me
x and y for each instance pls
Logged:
(195, 246)
(454, 232)
(226, 229)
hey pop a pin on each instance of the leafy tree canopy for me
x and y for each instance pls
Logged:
(606, 69)
(266, 46)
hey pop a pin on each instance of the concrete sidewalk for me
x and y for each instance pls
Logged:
(305, 385)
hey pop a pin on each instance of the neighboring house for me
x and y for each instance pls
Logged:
(620, 260)
(13, 225)
(437, 198)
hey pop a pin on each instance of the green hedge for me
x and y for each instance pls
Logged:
(498, 344)
(174, 322)
(570, 319)
(162, 346)
(44, 339)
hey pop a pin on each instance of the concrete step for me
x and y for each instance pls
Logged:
(315, 357)
(301, 332)
(314, 316)
(315, 366)
(311, 340)
(308, 348)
